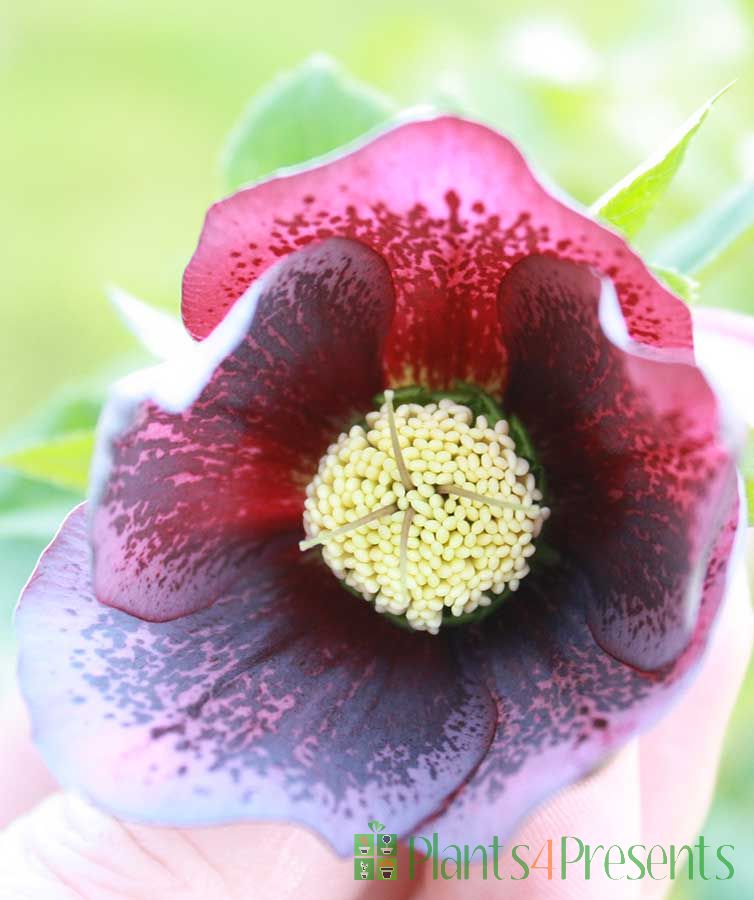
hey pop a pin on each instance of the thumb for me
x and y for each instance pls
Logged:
(66, 849)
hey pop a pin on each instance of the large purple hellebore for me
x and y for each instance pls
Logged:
(186, 663)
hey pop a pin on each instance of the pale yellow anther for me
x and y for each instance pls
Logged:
(403, 555)
(455, 511)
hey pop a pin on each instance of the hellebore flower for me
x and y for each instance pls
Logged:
(187, 662)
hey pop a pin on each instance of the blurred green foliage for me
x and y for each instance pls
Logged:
(114, 114)
(304, 114)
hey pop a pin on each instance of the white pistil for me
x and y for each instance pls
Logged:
(471, 511)
(351, 526)
(403, 471)
(478, 498)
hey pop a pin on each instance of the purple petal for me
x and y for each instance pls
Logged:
(640, 477)
(184, 498)
(564, 705)
(288, 699)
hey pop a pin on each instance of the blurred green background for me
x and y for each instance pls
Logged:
(114, 113)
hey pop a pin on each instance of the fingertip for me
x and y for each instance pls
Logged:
(24, 778)
(680, 756)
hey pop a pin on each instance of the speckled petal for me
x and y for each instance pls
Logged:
(288, 699)
(451, 205)
(183, 499)
(640, 477)
(564, 705)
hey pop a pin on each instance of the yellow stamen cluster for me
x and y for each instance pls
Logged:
(425, 510)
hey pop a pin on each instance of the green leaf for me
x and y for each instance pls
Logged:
(62, 461)
(686, 287)
(75, 408)
(31, 509)
(628, 204)
(303, 114)
(703, 240)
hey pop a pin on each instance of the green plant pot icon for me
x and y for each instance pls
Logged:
(386, 843)
(363, 869)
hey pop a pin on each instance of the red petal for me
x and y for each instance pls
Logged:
(451, 206)
(185, 499)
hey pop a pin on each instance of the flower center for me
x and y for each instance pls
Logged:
(424, 510)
